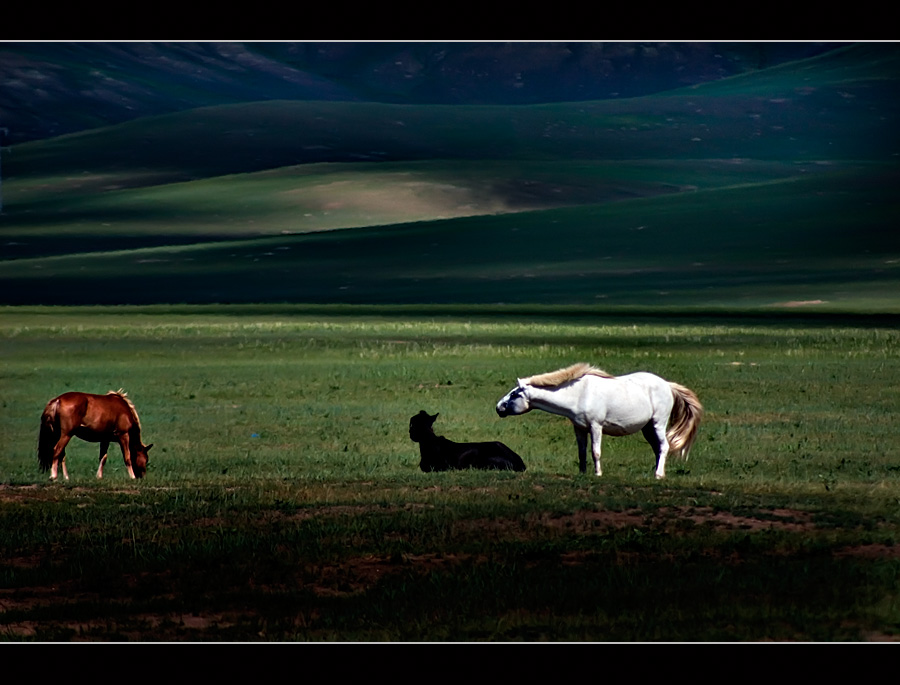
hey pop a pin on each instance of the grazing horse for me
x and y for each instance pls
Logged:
(440, 454)
(597, 402)
(96, 418)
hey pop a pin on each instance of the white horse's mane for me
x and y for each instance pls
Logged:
(124, 395)
(556, 378)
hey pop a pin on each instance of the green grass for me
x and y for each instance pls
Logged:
(282, 468)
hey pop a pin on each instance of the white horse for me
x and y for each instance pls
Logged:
(597, 402)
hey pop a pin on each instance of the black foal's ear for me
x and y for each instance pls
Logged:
(434, 418)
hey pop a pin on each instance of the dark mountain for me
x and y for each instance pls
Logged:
(49, 89)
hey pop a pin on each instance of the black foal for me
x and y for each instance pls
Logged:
(440, 454)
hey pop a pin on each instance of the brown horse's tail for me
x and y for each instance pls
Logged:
(49, 434)
(685, 420)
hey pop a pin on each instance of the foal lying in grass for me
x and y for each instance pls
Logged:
(440, 454)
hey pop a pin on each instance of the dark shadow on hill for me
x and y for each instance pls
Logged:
(30, 248)
(58, 88)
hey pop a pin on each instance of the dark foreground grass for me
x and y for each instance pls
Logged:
(562, 564)
(283, 499)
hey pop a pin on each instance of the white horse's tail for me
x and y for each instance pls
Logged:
(685, 420)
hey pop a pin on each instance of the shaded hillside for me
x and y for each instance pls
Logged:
(827, 237)
(842, 105)
(775, 185)
(48, 89)
(82, 214)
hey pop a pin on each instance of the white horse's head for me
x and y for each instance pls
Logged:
(515, 401)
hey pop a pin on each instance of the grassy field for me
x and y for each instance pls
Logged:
(283, 499)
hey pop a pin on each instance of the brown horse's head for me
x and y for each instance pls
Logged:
(139, 459)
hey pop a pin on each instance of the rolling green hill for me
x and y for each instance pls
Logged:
(837, 106)
(719, 246)
(50, 89)
(770, 187)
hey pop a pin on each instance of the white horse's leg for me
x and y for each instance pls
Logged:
(596, 444)
(581, 436)
(655, 434)
(104, 453)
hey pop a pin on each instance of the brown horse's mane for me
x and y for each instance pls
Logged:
(124, 395)
(556, 378)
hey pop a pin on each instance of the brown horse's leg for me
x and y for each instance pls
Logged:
(104, 453)
(59, 457)
(126, 454)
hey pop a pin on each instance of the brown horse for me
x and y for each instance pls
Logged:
(96, 418)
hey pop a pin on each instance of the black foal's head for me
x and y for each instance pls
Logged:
(420, 426)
